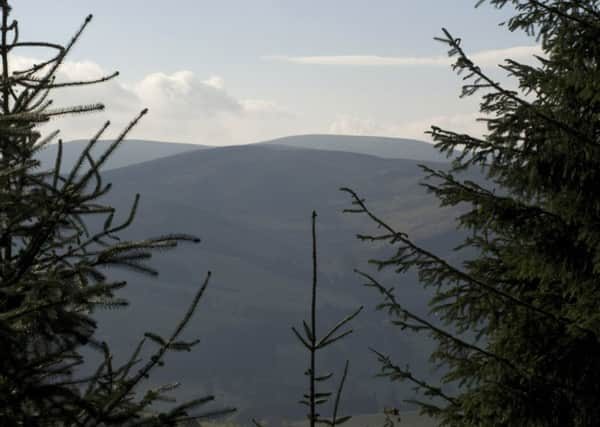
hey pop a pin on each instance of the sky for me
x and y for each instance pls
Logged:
(242, 71)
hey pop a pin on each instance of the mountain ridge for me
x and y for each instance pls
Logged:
(250, 205)
(127, 153)
(380, 146)
(130, 151)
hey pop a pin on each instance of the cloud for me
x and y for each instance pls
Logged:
(264, 108)
(352, 125)
(359, 60)
(461, 123)
(486, 57)
(183, 94)
(496, 56)
(215, 81)
(182, 106)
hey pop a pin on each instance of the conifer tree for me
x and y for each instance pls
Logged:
(313, 342)
(310, 339)
(519, 330)
(53, 266)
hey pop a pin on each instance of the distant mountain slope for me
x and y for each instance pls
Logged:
(130, 152)
(134, 151)
(391, 148)
(251, 206)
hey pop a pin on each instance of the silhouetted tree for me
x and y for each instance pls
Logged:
(519, 321)
(313, 343)
(316, 397)
(53, 266)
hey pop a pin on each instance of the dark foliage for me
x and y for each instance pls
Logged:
(518, 329)
(53, 267)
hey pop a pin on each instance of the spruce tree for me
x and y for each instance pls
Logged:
(54, 267)
(519, 325)
(315, 397)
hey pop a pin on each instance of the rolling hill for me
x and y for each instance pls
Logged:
(251, 207)
(134, 151)
(130, 152)
(390, 148)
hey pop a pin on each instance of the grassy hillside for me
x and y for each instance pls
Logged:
(254, 226)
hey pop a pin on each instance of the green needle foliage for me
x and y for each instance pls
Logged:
(518, 323)
(313, 344)
(53, 267)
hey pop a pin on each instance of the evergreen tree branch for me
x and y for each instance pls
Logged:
(155, 360)
(424, 257)
(395, 373)
(464, 62)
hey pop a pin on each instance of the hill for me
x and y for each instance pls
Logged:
(251, 206)
(134, 151)
(130, 152)
(390, 148)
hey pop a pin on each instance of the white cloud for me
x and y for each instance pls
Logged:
(183, 94)
(82, 70)
(461, 123)
(487, 57)
(215, 81)
(360, 60)
(264, 108)
(352, 125)
(182, 106)
(496, 56)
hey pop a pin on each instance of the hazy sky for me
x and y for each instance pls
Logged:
(240, 71)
